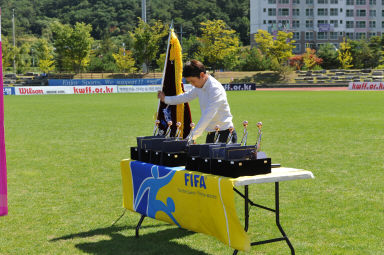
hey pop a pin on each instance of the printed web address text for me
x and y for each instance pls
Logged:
(92, 90)
(366, 86)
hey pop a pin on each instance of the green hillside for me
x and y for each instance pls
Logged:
(117, 17)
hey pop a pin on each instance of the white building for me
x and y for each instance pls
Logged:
(315, 22)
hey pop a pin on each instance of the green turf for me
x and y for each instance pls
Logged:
(64, 183)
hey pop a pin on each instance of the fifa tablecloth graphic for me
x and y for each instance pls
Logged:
(192, 200)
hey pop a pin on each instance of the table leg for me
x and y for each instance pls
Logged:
(246, 211)
(246, 208)
(247, 201)
(277, 207)
(139, 224)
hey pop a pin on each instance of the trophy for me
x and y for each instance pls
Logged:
(156, 129)
(217, 135)
(189, 137)
(245, 133)
(229, 139)
(259, 134)
(168, 132)
(178, 131)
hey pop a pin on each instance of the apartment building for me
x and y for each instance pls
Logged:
(315, 22)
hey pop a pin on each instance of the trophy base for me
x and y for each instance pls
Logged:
(173, 158)
(145, 155)
(198, 164)
(193, 163)
(155, 157)
(239, 167)
(134, 153)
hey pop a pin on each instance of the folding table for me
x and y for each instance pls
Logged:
(276, 176)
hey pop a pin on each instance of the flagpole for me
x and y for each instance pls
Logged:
(165, 64)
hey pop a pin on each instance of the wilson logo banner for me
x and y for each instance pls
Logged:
(192, 200)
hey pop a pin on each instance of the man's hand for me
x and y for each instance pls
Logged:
(160, 95)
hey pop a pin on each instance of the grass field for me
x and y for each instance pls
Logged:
(64, 183)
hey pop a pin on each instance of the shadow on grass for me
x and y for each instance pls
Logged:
(118, 244)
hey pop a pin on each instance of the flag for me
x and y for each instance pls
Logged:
(3, 164)
(172, 86)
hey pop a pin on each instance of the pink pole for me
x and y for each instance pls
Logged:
(3, 163)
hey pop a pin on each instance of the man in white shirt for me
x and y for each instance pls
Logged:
(213, 102)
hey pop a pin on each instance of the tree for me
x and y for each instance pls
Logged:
(376, 50)
(73, 45)
(278, 48)
(253, 60)
(125, 61)
(310, 59)
(44, 53)
(328, 53)
(101, 58)
(146, 41)
(381, 55)
(296, 61)
(219, 45)
(23, 58)
(8, 52)
(344, 56)
(361, 54)
(191, 46)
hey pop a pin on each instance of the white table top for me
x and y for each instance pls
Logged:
(277, 175)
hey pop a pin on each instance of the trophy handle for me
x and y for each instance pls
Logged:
(217, 135)
(178, 130)
(156, 129)
(245, 133)
(259, 134)
(168, 133)
(230, 135)
(189, 136)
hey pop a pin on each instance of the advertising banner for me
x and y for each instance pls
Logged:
(192, 200)
(98, 82)
(366, 86)
(52, 90)
(239, 86)
(8, 90)
(138, 89)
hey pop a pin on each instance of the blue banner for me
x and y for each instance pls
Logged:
(8, 90)
(90, 82)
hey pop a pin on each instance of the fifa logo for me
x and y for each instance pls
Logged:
(195, 180)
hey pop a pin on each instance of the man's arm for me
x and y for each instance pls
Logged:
(182, 98)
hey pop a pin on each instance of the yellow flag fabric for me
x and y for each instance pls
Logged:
(192, 200)
(175, 55)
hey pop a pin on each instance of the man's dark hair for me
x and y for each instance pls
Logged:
(193, 68)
